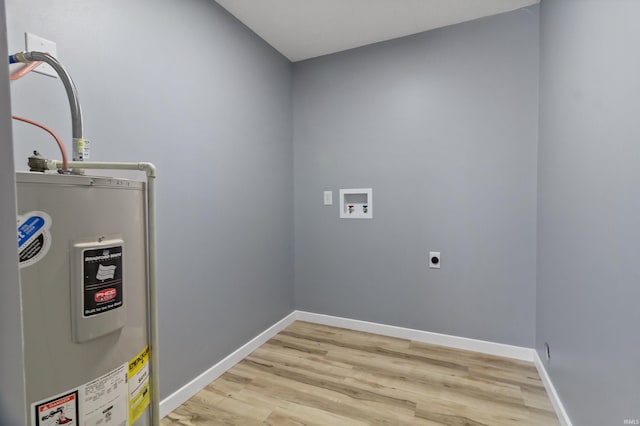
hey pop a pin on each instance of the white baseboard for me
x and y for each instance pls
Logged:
(499, 349)
(183, 394)
(563, 417)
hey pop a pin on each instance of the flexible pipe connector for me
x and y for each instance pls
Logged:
(72, 94)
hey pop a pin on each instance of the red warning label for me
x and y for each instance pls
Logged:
(62, 410)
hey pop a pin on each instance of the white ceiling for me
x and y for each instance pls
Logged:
(303, 29)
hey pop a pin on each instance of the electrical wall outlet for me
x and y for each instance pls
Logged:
(39, 44)
(434, 259)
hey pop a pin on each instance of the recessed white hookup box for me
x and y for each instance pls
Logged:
(356, 203)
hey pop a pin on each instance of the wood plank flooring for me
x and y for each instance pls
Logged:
(312, 374)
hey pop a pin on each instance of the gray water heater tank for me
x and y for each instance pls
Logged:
(82, 249)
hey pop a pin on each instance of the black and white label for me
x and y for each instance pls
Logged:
(102, 280)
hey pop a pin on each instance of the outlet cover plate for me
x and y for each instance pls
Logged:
(434, 255)
(328, 198)
(39, 44)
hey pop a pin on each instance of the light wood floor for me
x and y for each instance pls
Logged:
(317, 375)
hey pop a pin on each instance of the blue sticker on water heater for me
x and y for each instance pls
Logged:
(34, 237)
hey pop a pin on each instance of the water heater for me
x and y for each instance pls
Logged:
(82, 251)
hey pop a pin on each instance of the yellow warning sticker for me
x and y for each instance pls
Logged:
(139, 387)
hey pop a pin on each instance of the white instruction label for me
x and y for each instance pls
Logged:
(86, 149)
(105, 399)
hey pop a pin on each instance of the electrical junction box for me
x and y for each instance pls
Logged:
(98, 280)
(356, 203)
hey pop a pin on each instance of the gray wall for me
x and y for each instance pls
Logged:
(12, 396)
(443, 127)
(589, 207)
(181, 84)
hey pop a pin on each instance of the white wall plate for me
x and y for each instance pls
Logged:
(39, 44)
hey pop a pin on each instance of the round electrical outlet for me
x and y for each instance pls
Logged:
(434, 259)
